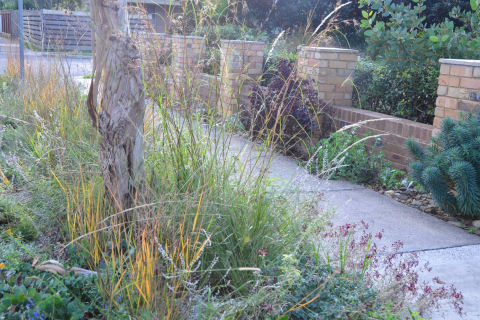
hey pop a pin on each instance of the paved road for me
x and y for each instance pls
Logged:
(77, 67)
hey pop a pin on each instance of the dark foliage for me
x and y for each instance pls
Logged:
(438, 10)
(289, 107)
(293, 15)
(289, 14)
(408, 93)
(450, 167)
(270, 67)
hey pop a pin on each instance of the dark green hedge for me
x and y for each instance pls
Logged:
(408, 93)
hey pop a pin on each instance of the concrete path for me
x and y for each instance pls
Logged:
(453, 254)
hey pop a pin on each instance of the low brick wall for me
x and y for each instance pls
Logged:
(209, 89)
(189, 51)
(332, 69)
(397, 132)
(458, 89)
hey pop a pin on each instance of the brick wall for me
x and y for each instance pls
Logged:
(188, 51)
(155, 45)
(241, 64)
(162, 39)
(458, 89)
(397, 132)
(208, 90)
(332, 69)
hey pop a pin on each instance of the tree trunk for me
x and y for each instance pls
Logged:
(119, 117)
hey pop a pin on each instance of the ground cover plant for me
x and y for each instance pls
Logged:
(448, 168)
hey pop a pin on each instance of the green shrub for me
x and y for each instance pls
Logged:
(346, 156)
(449, 168)
(408, 93)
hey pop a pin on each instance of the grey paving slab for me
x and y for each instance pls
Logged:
(457, 266)
(416, 229)
(75, 66)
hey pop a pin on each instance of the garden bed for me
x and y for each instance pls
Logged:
(423, 202)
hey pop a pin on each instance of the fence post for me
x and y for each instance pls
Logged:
(42, 34)
(20, 39)
(241, 64)
(332, 69)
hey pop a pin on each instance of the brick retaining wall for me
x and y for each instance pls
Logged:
(397, 130)
(332, 69)
(208, 90)
(241, 63)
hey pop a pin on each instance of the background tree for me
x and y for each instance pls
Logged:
(401, 35)
(119, 115)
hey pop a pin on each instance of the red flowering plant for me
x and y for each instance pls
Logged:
(394, 275)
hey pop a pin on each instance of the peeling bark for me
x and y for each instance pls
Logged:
(119, 116)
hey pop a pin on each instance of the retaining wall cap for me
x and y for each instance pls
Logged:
(188, 37)
(242, 41)
(324, 49)
(461, 62)
(161, 34)
(206, 75)
(386, 117)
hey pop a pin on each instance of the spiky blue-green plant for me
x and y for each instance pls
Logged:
(449, 168)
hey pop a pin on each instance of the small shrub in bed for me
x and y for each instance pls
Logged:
(287, 112)
(449, 168)
(408, 93)
(345, 156)
(273, 62)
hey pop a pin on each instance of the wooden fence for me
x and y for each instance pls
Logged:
(56, 29)
(6, 21)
